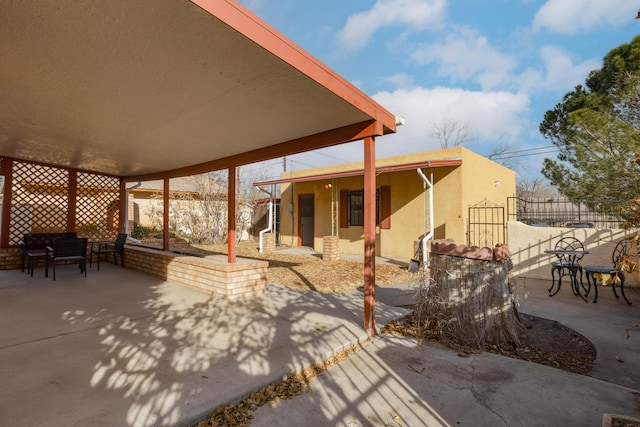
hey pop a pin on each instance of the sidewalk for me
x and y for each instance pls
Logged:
(400, 382)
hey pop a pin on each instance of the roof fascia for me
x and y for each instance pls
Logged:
(329, 138)
(358, 172)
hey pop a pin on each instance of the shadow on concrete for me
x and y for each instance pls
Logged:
(122, 348)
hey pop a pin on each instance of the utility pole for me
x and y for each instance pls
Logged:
(284, 163)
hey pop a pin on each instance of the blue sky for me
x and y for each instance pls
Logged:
(495, 67)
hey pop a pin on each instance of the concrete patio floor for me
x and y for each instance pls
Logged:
(120, 348)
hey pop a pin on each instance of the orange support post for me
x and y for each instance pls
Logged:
(165, 215)
(7, 170)
(123, 218)
(73, 200)
(370, 235)
(231, 215)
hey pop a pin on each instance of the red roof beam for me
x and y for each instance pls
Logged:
(356, 172)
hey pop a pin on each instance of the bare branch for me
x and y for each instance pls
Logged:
(451, 133)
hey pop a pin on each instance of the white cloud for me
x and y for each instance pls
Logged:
(493, 117)
(415, 14)
(560, 71)
(574, 16)
(466, 55)
(401, 80)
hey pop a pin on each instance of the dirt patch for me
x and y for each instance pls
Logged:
(316, 274)
(542, 341)
(549, 343)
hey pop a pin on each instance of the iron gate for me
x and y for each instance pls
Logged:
(487, 225)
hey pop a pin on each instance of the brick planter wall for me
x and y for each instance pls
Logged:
(10, 258)
(212, 273)
(268, 242)
(331, 248)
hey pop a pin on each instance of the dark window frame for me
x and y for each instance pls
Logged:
(356, 208)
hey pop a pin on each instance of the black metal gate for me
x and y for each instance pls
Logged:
(487, 225)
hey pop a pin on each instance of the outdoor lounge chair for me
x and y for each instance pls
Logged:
(65, 250)
(109, 247)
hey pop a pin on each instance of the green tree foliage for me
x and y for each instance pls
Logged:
(597, 130)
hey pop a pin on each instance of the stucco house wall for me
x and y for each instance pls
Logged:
(455, 188)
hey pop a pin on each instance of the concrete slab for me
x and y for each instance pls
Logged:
(124, 349)
(604, 324)
(398, 382)
(120, 348)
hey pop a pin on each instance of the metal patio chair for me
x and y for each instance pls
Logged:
(65, 250)
(620, 263)
(109, 247)
(569, 251)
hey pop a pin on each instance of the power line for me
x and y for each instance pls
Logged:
(536, 152)
(544, 147)
(326, 155)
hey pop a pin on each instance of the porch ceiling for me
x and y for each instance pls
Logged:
(157, 87)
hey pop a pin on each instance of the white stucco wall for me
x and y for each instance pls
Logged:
(527, 245)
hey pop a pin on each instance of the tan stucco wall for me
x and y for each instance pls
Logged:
(455, 188)
(527, 245)
(141, 207)
(484, 179)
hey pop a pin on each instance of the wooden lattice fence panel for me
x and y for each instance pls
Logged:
(98, 206)
(40, 200)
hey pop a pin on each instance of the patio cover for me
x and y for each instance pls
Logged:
(156, 89)
(164, 88)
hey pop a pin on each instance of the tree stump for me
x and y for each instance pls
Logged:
(470, 300)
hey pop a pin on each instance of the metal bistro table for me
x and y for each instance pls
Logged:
(568, 263)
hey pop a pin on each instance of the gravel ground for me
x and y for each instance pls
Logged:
(309, 272)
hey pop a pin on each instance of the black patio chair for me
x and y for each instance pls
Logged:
(34, 246)
(568, 264)
(620, 263)
(109, 247)
(65, 250)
